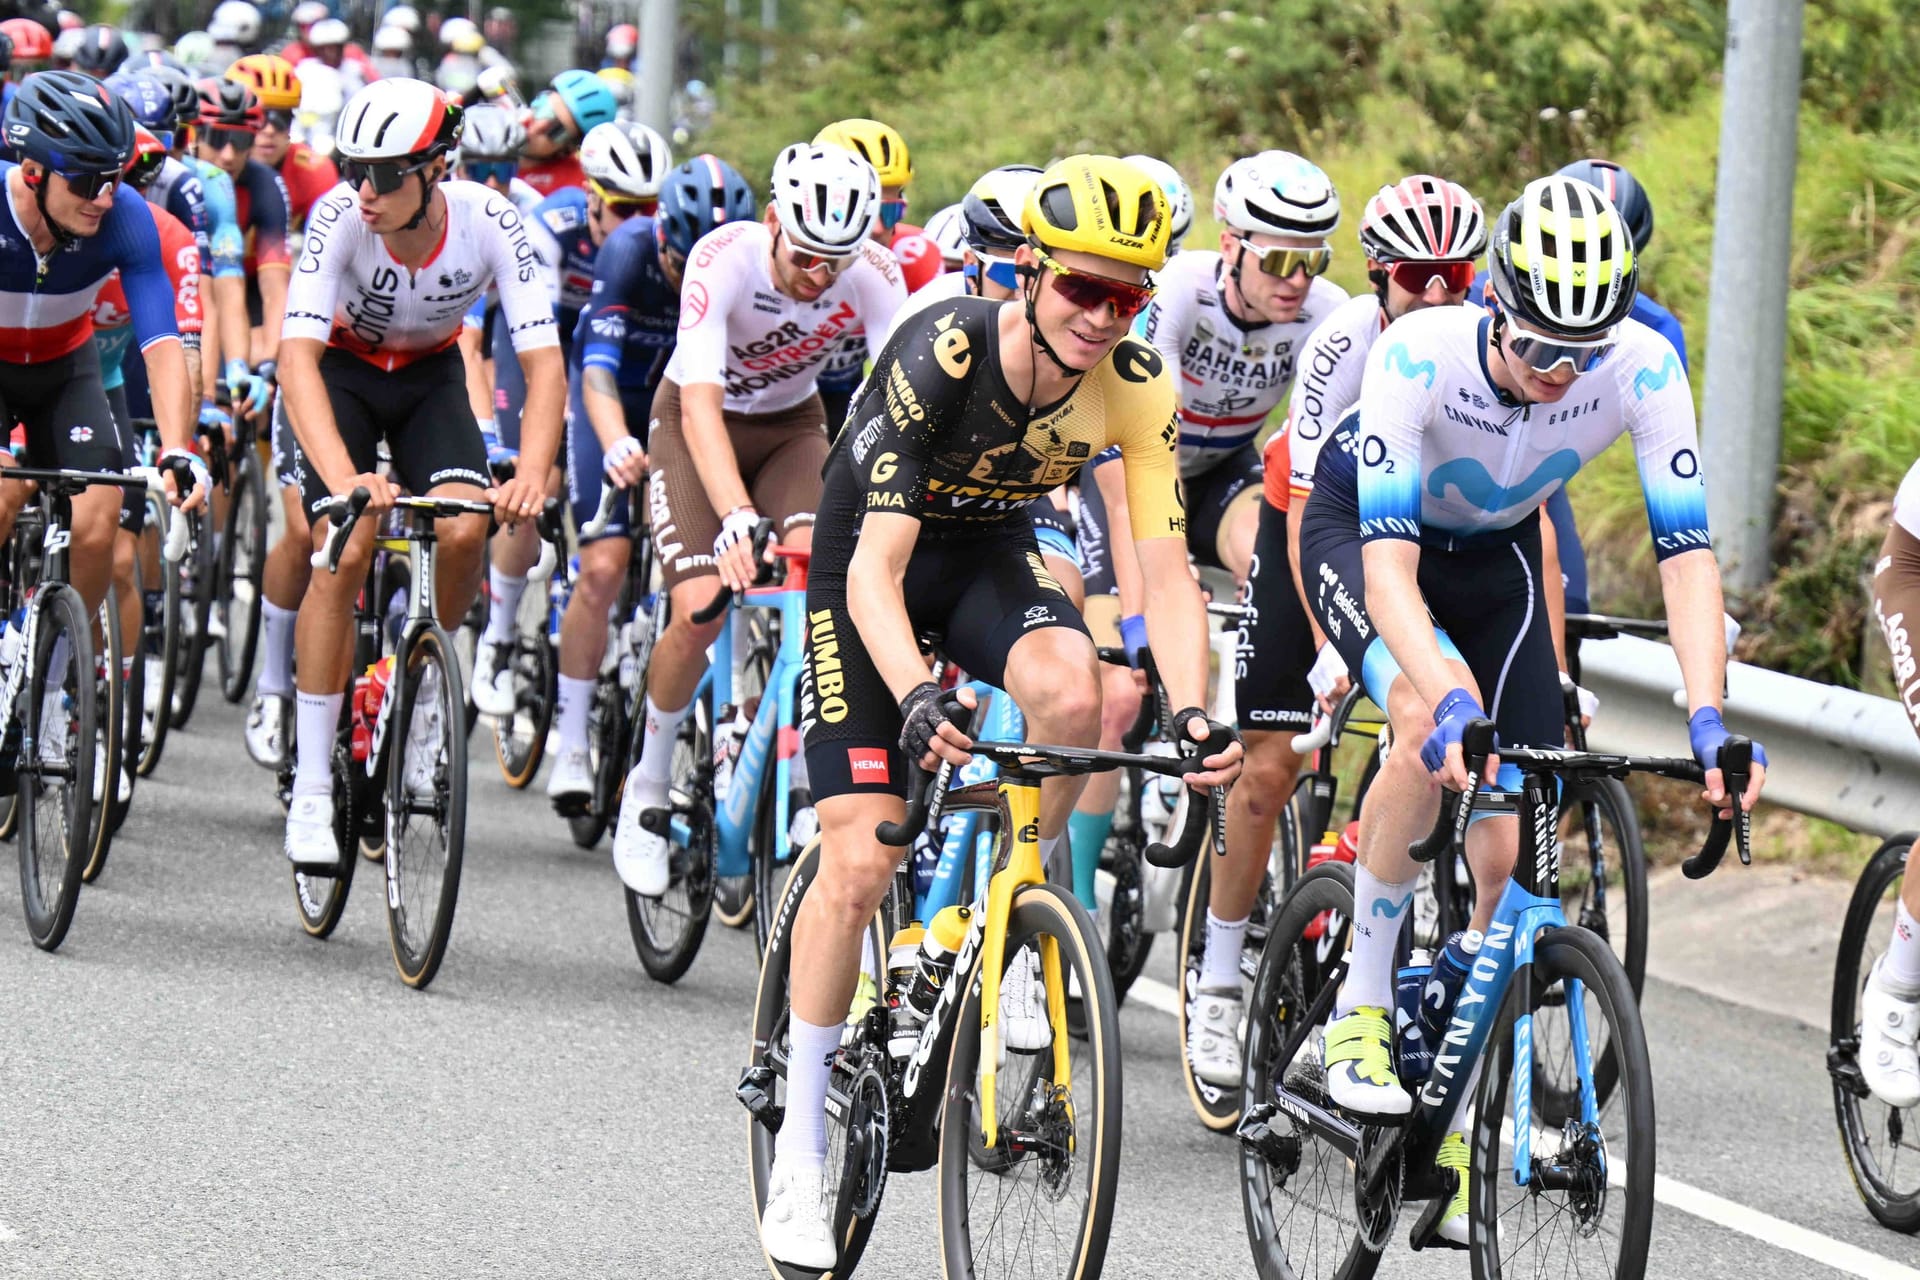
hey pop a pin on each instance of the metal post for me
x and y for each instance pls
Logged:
(659, 37)
(1747, 299)
(730, 52)
(769, 24)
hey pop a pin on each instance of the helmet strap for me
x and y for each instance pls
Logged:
(1243, 325)
(1495, 330)
(426, 201)
(1377, 277)
(61, 236)
(1040, 342)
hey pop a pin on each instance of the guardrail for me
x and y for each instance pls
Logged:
(1834, 753)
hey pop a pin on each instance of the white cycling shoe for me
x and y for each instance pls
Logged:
(793, 1227)
(1889, 1054)
(642, 859)
(267, 723)
(310, 844)
(492, 685)
(1213, 1035)
(572, 778)
(1023, 1005)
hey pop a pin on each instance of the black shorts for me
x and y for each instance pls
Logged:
(1275, 648)
(420, 410)
(979, 595)
(63, 405)
(133, 498)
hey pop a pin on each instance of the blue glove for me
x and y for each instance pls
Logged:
(1449, 722)
(1133, 638)
(212, 415)
(247, 390)
(1708, 733)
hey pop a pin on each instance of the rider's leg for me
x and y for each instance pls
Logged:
(324, 635)
(583, 632)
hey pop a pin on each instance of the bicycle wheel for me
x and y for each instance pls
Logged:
(323, 898)
(196, 592)
(134, 728)
(1129, 942)
(1587, 1208)
(767, 1070)
(1218, 1106)
(520, 740)
(1297, 1189)
(239, 570)
(1879, 1140)
(667, 930)
(163, 637)
(55, 774)
(740, 900)
(110, 718)
(426, 793)
(1046, 1207)
(1619, 915)
(607, 733)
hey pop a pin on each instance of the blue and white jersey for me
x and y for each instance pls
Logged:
(560, 235)
(632, 311)
(1438, 452)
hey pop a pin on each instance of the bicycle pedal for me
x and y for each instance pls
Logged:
(573, 806)
(1270, 1133)
(1426, 1230)
(755, 1092)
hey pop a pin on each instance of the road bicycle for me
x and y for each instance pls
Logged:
(1561, 1177)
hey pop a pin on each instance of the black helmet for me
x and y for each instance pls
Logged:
(1621, 187)
(69, 122)
(101, 51)
(6, 53)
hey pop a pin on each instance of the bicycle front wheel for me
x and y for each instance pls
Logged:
(110, 718)
(196, 599)
(322, 899)
(55, 773)
(426, 804)
(1585, 1206)
(239, 571)
(162, 635)
(667, 930)
(1040, 1201)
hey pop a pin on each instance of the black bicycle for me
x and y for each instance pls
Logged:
(239, 570)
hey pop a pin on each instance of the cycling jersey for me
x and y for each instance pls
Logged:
(550, 176)
(307, 175)
(564, 241)
(261, 205)
(840, 374)
(349, 292)
(1231, 375)
(178, 190)
(920, 260)
(225, 255)
(1441, 455)
(1331, 365)
(632, 310)
(763, 347)
(1906, 501)
(113, 333)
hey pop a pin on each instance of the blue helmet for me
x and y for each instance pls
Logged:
(1621, 187)
(68, 122)
(698, 196)
(589, 99)
(150, 101)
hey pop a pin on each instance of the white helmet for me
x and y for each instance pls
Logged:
(234, 22)
(393, 40)
(193, 48)
(626, 159)
(993, 207)
(1179, 195)
(395, 119)
(308, 12)
(948, 230)
(403, 16)
(328, 32)
(827, 198)
(454, 28)
(322, 89)
(1279, 193)
(66, 45)
(492, 133)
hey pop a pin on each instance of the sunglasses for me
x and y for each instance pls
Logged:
(500, 171)
(1543, 354)
(88, 186)
(622, 206)
(892, 211)
(386, 176)
(280, 119)
(1418, 277)
(1282, 263)
(1089, 292)
(999, 270)
(833, 264)
(145, 169)
(219, 138)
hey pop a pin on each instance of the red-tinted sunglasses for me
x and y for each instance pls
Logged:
(1090, 292)
(1418, 277)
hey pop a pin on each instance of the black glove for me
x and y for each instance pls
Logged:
(922, 712)
(1219, 736)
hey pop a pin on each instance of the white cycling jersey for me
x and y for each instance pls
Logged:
(1328, 384)
(1231, 378)
(1906, 502)
(350, 293)
(763, 347)
(1437, 448)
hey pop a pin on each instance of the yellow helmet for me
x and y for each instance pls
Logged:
(272, 79)
(1103, 206)
(618, 77)
(880, 145)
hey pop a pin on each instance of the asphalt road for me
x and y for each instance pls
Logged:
(192, 1087)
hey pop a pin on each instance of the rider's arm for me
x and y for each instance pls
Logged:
(272, 256)
(528, 315)
(150, 302)
(479, 385)
(701, 367)
(1296, 512)
(311, 300)
(1553, 588)
(1110, 477)
(1690, 585)
(601, 339)
(227, 337)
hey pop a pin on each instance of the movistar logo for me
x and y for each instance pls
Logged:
(1397, 358)
(1655, 380)
(1469, 477)
(1391, 910)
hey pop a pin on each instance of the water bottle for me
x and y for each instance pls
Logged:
(1413, 1044)
(726, 750)
(1342, 848)
(935, 964)
(13, 637)
(370, 708)
(1450, 969)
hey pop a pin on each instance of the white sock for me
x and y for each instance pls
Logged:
(803, 1134)
(316, 718)
(506, 590)
(1378, 907)
(276, 668)
(656, 753)
(576, 700)
(1220, 970)
(1900, 967)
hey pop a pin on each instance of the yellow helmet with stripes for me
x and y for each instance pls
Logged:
(880, 145)
(1100, 205)
(1562, 259)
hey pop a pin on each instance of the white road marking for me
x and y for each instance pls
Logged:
(1155, 995)
(7, 1233)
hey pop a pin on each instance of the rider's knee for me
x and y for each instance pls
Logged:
(1065, 707)
(463, 538)
(1267, 774)
(855, 880)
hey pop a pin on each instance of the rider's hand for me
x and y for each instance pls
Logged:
(1223, 766)
(1328, 678)
(247, 389)
(1588, 701)
(517, 499)
(382, 492)
(626, 463)
(1442, 752)
(733, 549)
(202, 481)
(212, 415)
(927, 735)
(1707, 734)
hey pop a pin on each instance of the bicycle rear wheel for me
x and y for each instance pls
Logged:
(1218, 1106)
(1129, 942)
(1587, 1207)
(162, 640)
(323, 898)
(607, 732)
(426, 794)
(239, 570)
(667, 930)
(196, 591)
(55, 774)
(110, 720)
(520, 740)
(1878, 1139)
(1622, 919)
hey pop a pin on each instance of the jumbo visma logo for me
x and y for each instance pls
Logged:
(1397, 359)
(1470, 479)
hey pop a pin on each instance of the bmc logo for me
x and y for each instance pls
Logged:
(868, 766)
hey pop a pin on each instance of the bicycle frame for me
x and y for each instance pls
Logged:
(963, 834)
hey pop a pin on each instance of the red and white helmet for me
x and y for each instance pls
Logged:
(1423, 219)
(396, 119)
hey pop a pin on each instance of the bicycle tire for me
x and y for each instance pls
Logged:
(50, 875)
(1295, 965)
(1858, 1113)
(1626, 860)
(1050, 910)
(1562, 957)
(1129, 943)
(239, 578)
(520, 741)
(196, 609)
(322, 899)
(770, 1018)
(164, 645)
(607, 732)
(110, 712)
(135, 732)
(667, 931)
(423, 875)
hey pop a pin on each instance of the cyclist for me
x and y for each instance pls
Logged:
(30, 49)
(625, 339)
(304, 15)
(231, 118)
(235, 30)
(562, 114)
(305, 173)
(328, 42)
(1890, 1005)
(77, 225)
(923, 523)
(623, 46)
(393, 52)
(1420, 237)
(100, 53)
(990, 236)
(1426, 567)
(737, 425)
(370, 356)
(621, 81)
